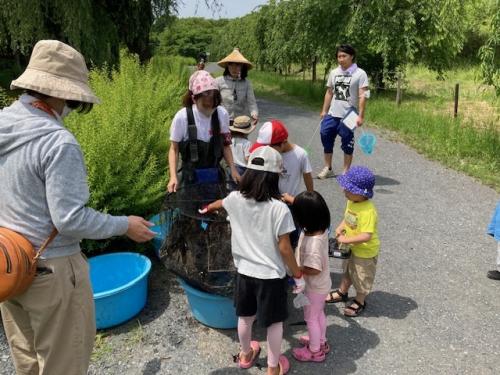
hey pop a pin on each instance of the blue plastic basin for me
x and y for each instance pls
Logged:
(120, 286)
(210, 309)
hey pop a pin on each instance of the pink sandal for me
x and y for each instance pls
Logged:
(304, 340)
(283, 364)
(255, 348)
(304, 354)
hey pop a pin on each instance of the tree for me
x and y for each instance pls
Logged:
(490, 53)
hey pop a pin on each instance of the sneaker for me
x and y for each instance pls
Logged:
(325, 173)
(303, 354)
(494, 275)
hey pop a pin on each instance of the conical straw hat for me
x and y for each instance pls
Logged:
(235, 57)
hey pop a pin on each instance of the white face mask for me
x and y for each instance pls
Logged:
(66, 111)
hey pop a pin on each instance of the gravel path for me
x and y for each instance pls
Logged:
(432, 309)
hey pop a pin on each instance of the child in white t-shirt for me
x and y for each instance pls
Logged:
(260, 244)
(240, 145)
(296, 165)
(311, 212)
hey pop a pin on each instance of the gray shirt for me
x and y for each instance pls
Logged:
(237, 97)
(44, 183)
(345, 88)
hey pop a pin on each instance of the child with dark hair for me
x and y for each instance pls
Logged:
(260, 225)
(312, 214)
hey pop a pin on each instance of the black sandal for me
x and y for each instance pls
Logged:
(356, 310)
(342, 297)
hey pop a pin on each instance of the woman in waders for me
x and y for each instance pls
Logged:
(200, 133)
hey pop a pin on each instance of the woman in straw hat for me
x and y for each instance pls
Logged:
(200, 135)
(236, 90)
(51, 327)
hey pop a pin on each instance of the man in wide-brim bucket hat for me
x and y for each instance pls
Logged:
(51, 326)
(236, 90)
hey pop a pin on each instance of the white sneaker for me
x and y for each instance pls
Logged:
(325, 173)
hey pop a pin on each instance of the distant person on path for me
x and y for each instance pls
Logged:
(358, 229)
(51, 327)
(494, 231)
(296, 164)
(347, 88)
(261, 224)
(235, 88)
(202, 59)
(311, 212)
(209, 139)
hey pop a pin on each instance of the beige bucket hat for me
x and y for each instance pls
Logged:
(235, 57)
(242, 124)
(58, 70)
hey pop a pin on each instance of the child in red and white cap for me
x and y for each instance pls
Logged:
(296, 164)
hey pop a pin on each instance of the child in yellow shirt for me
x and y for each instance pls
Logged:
(359, 230)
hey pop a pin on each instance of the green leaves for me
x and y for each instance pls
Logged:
(125, 138)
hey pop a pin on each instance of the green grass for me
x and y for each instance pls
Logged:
(470, 143)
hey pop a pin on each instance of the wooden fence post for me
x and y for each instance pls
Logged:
(399, 93)
(455, 109)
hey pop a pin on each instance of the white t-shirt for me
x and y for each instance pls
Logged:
(312, 252)
(179, 129)
(240, 147)
(295, 164)
(255, 228)
(345, 90)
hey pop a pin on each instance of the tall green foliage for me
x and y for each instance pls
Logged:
(96, 28)
(490, 53)
(125, 138)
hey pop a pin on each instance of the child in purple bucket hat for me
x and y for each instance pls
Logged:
(359, 230)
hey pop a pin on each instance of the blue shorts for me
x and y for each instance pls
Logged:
(330, 127)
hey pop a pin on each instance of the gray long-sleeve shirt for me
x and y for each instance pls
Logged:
(245, 103)
(43, 183)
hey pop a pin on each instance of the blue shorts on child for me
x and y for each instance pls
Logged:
(330, 128)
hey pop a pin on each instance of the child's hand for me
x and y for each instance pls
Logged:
(203, 210)
(300, 285)
(287, 198)
(342, 238)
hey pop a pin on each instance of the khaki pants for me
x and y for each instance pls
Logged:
(361, 272)
(51, 327)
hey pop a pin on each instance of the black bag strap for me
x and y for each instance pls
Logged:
(216, 134)
(192, 135)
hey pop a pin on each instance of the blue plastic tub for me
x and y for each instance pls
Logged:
(210, 309)
(120, 286)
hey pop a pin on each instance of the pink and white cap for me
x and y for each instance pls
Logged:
(201, 81)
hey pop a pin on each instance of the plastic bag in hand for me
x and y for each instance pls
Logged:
(301, 300)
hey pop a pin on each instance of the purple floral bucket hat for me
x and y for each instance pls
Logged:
(358, 180)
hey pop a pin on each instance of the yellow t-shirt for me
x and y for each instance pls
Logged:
(361, 217)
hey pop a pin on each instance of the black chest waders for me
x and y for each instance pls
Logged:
(197, 248)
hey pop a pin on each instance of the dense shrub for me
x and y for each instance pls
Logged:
(125, 138)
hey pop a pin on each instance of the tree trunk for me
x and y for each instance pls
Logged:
(314, 63)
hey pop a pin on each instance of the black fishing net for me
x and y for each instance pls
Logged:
(197, 247)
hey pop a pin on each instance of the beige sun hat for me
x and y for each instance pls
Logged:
(235, 57)
(242, 124)
(57, 70)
